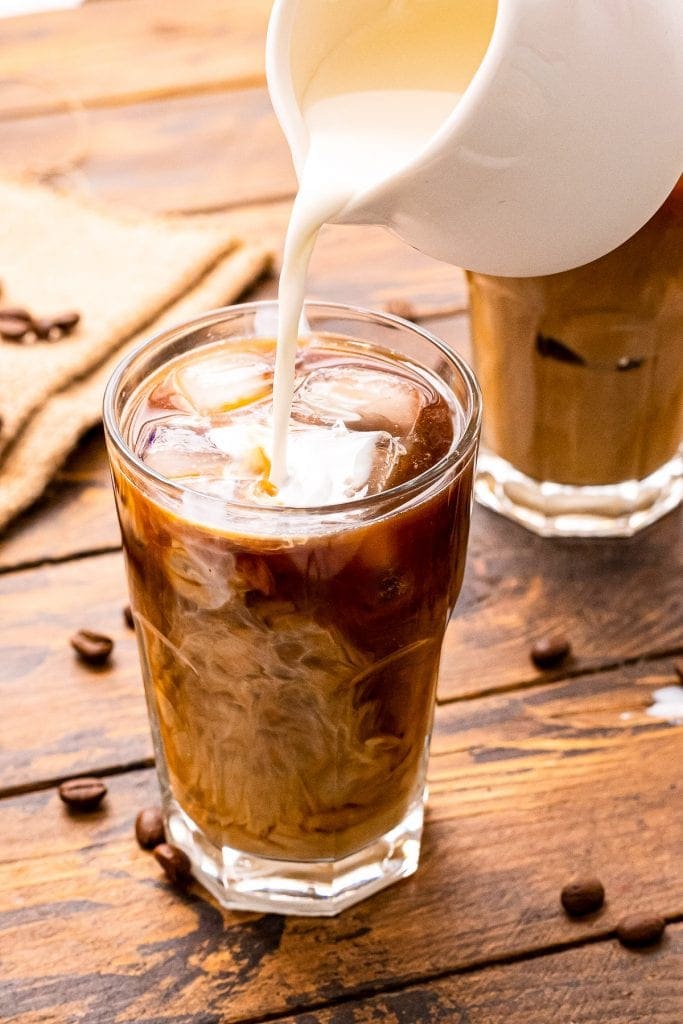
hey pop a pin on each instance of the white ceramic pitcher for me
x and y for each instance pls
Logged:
(567, 139)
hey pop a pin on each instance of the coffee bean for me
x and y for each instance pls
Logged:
(149, 828)
(16, 313)
(400, 307)
(46, 328)
(66, 322)
(92, 648)
(175, 863)
(13, 330)
(82, 794)
(550, 651)
(128, 616)
(678, 668)
(583, 896)
(640, 930)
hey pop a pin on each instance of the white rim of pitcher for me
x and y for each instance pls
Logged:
(289, 112)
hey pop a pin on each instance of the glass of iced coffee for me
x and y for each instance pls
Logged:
(582, 377)
(290, 639)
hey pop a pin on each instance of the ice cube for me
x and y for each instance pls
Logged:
(363, 399)
(241, 441)
(325, 465)
(175, 448)
(167, 397)
(331, 466)
(227, 381)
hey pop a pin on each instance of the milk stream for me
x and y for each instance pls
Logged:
(373, 104)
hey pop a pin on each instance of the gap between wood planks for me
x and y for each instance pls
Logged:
(478, 967)
(24, 788)
(561, 677)
(111, 53)
(151, 95)
(77, 556)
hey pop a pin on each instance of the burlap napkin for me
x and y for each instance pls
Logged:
(57, 254)
(127, 278)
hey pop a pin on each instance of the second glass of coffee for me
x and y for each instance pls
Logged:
(582, 375)
(290, 641)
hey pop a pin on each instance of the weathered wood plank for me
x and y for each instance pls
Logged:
(615, 600)
(113, 52)
(76, 515)
(62, 717)
(183, 154)
(515, 811)
(594, 984)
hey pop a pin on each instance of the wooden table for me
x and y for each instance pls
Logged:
(534, 776)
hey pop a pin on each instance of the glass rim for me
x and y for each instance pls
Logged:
(460, 451)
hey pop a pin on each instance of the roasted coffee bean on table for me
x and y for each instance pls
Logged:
(45, 328)
(583, 896)
(16, 313)
(638, 930)
(83, 794)
(17, 324)
(13, 329)
(55, 327)
(175, 862)
(66, 322)
(149, 828)
(92, 648)
(550, 651)
(128, 616)
(400, 307)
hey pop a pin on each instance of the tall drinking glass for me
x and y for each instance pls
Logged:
(582, 376)
(290, 655)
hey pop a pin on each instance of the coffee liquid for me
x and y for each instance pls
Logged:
(582, 372)
(291, 662)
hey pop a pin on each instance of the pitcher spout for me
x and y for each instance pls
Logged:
(565, 138)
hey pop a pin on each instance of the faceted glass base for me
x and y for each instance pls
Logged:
(558, 510)
(240, 881)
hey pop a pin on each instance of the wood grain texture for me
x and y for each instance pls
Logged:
(183, 154)
(112, 52)
(515, 811)
(595, 984)
(62, 717)
(76, 514)
(615, 600)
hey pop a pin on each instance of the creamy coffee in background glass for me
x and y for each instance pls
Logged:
(582, 376)
(290, 639)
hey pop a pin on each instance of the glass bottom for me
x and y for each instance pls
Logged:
(241, 881)
(559, 510)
